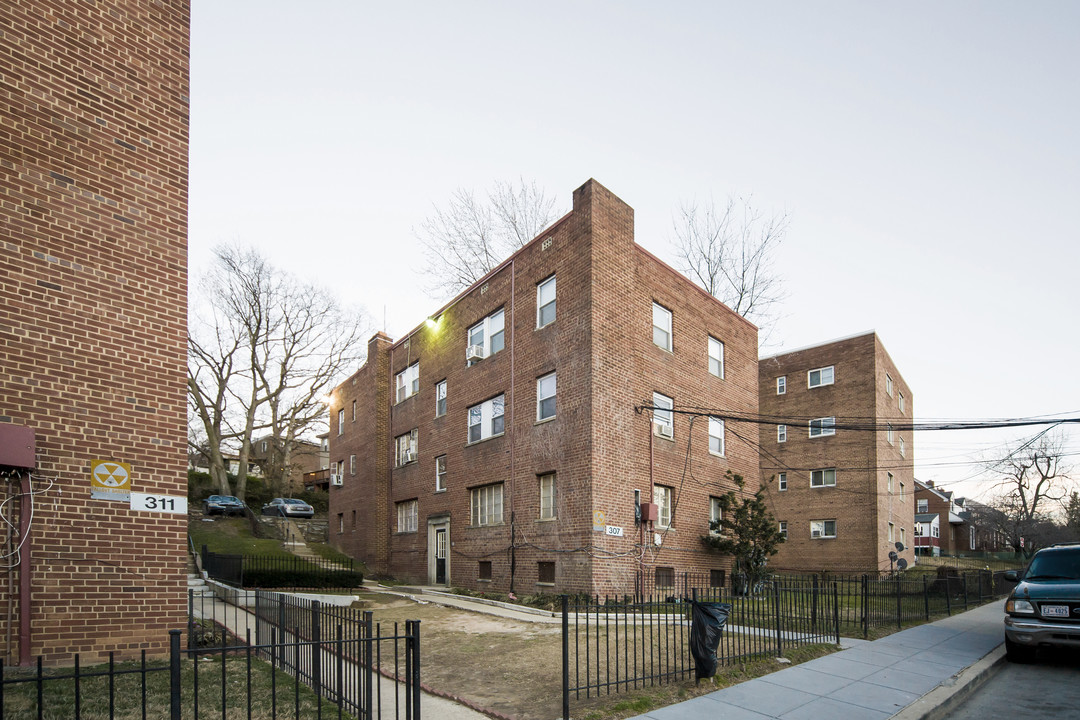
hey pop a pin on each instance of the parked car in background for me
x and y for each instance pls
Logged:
(1044, 608)
(288, 507)
(223, 505)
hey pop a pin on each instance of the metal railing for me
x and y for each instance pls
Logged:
(292, 571)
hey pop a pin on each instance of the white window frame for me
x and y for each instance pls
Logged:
(666, 319)
(889, 482)
(901, 489)
(824, 426)
(489, 416)
(900, 401)
(354, 411)
(407, 382)
(662, 411)
(340, 467)
(716, 357)
(662, 495)
(440, 398)
(971, 537)
(483, 333)
(782, 527)
(716, 436)
(781, 433)
(407, 515)
(781, 482)
(903, 536)
(440, 473)
(781, 385)
(716, 513)
(341, 422)
(889, 433)
(825, 376)
(826, 477)
(405, 443)
(822, 527)
(888, 385)
(543, 303)
(352, 464)
(903, 446)
(486, 505)
(892, 533)
(546, 484)
(922, 505)
(545, 390)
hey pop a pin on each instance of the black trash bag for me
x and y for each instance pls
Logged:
(707, 622)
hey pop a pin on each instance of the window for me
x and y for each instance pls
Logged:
(823, 478)
(353, 518)
(341, 421)
(354, 411)
(822, 529)
(901, 491)
(440, 473)
(484, 571)
(662, 415)
(781, 385)
(922, 506)
(408, 382)
(889, 433)
(716, 436)
(545, 573)
(547, 496)
(486, 419)
(822, 427)
(888, 384)
(487, 505)
(545, 302)
(889, 482)
(919, 532)
(662, 498)
(352, 464)
(406, 516)
(487, 337)
(340, 468)
(440, 398)
(783, 527)
(892, 533)
(903, 537)
(716, 357)
(903, 447)
(661, 327)
(717, 578)
(819, 377)
(340, 523)
(263, 446)
(716, 513)
(405, 448)
(781, 481)
(665, 577)
(781, 433)
(545, 397)
(971, 537)
(900, 402)
(935, 531)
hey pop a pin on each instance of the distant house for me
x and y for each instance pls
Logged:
(268, 455)
(962, 524)
(927, 534)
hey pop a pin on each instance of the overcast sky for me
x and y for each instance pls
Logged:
(927, 154)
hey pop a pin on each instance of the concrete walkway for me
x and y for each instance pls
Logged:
(871, 681)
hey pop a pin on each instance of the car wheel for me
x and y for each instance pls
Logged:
(1016, 653)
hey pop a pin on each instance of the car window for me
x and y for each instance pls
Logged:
(293, 501)
(1055, 565)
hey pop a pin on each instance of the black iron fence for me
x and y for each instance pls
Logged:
(280, 572)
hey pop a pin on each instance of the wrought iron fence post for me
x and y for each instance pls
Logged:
(174, 675)
(776, 607)
(964, 578)
(316, 648)
(191, 619)
(866, 606)
(813, 604)
(416, 669)
(926, 597)
(368, 663)
(566, 657)
(899, 619)
(836, 610)
(948, 596)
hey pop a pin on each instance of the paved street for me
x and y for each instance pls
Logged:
(1048, 689)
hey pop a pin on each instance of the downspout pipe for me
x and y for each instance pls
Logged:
(26, 509)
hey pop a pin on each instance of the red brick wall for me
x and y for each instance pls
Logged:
(93, 295)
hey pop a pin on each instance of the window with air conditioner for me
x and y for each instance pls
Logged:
(487, 505)
(406, 516)
(663, 417)
(820, 529)
(408, 382)
(405, 447)
(820, 377)
(487, 419)
(716, 357)
(822, 427)
(716, 436)
(487, 337)
(545, 397)
(661, 327)
(545, 302)
(823, 478)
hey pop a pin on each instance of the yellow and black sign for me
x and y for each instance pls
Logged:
(110, 480)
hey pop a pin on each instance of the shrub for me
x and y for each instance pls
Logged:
(298, 578)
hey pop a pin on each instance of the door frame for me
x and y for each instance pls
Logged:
(434, 525)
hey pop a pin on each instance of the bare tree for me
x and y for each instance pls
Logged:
(470, 236)
(263, 348)
(728, 250)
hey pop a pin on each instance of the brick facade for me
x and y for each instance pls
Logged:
(864, 397)
(93, 303)
(599, 445)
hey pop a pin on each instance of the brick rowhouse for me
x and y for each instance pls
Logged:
(844, 490)
(93, 302)
(525, 503)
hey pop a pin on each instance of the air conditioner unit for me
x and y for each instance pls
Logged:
(474, 352)
(336, 480)
(663, 430)
(408, 456)
(815, 533)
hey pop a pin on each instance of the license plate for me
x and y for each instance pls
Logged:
(1055, 610)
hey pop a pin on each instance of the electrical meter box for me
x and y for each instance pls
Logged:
(17, 447)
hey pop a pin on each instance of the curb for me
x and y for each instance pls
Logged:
(942, 700)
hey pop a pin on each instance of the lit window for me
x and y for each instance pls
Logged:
(545, 397)
(405, 447)
(486, 337)
(545, 302)
(888, 384)
(822, 427)
(823, 478)
(781, 433)
(406, 516)
(341, 421)
(663, 417)
(819, 377)
(352, 464)
(661, 326)
(822, 529)
(781, 385)
(716, 514)
(662, 498)
(486, 419)
(783, 527)
(781, 481)
(716, 357)
(487, 505)
(440, 473)
(716, 436)
(900, 402)
(408, 382)
(440, 399)
(547, 496)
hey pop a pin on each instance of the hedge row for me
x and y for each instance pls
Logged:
(266, 578)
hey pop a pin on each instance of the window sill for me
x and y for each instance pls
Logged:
(658, 436)
(545, 325)
(438, 492)
(545, 584)
(405, 532)
(669, 351)
(411, 462)
(719, 455)
(481, 527)
(828, 537)
(483, 440)
(483, 580)
(546, 520)
(545, 420)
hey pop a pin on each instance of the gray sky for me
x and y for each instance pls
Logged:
(927, 154)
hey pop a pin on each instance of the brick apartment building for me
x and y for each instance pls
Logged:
(93, 303)
(836, 462)
(502, 443)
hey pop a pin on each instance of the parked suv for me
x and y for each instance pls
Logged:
(1044, 608)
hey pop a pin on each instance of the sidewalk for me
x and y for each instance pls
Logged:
(871, 681)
